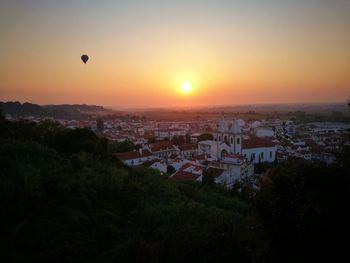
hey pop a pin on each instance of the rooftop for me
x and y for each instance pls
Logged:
(159, 146)
(185, 147)
(258, 142)
(132, 155)
(215, 172)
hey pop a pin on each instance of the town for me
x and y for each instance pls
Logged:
(229, 149)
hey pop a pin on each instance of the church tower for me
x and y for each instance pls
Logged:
(235, 134)
(222, 133)
(222, 138)
(228, 140)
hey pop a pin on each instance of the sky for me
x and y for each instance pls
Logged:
(140, 52)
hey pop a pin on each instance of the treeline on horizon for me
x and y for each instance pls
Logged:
(63, 111)
(64, 197)
(314, 113)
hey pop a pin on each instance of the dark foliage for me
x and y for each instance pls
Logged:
(65, 111)
(303, 209)
(100, 125)
(178, 140)
(208, 178)
(170, 169)
(65, 198)
(125, 146)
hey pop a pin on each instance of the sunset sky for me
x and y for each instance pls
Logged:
(221, 52)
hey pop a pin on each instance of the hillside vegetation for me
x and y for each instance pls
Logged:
(65, 198)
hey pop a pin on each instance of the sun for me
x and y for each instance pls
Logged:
(186, 87)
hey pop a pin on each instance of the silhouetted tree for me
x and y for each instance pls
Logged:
(170, 169)
(2, 117)
(100, 125)
(178, 140)
(208, 178)
(124, 146)
(301, 205)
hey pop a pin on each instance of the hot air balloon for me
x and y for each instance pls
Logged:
(84, 58)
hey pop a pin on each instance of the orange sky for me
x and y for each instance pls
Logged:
(233, 52)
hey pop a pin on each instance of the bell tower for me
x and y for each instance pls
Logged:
(235, 137)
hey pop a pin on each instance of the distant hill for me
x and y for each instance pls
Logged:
(64, 111)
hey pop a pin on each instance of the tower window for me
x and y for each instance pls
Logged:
(238, 140)
(219, 138)
(231, 140)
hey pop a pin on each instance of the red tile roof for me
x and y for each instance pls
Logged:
(159, 146)
(215, 172)
(257, 142)
(214, 163)
(200, 157)
(132, 155)
(196, 166)
(182, 175)
(173, 156)
(186, 147)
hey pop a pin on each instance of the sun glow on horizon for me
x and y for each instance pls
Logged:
(186, 87)
(212, 53)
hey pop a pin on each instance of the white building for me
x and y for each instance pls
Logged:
(159, 165)
(194, 137)
(161, 149)
(264, 132)
(258, 149)
(237, 168)
(189, 171)
(187, 150)
(207, 147)
(134, 157)
(229, 140)
(169, 133)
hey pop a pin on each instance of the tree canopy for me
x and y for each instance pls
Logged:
(65, 198)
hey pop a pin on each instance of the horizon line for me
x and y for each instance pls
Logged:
(186, 106)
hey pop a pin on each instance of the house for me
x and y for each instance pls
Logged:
(220, 176)
(258, 149)
(133, 158)
(303, 154)
(189, 171)
(163, 149)
(187, 150)
(264, 132)
(159, 165)
(230, 140)
(169, 133)
(237, 167)
(207, 147)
